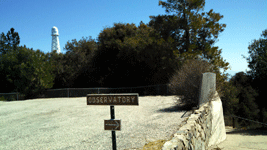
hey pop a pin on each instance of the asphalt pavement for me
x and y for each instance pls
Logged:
(242, 139)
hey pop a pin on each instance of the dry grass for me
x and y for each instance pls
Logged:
(186, 81)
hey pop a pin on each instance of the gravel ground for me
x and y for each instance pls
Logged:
(69, 123)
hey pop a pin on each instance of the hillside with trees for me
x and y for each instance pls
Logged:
(127, 55)
(23, 70)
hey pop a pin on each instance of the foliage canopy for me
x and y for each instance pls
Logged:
(193, 33)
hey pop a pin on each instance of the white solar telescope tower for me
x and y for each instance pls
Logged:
(55, 40)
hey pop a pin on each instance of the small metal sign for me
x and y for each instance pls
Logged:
(112, 125)
(112, 99)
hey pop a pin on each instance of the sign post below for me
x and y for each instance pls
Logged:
(112, 99)
(112, 114)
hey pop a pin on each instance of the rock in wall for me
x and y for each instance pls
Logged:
(204, 128)
(194, 132)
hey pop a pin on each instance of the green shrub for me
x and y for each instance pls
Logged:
(2, 98)
(8, 98)
(11, 98)
(229, 100)
(246, 95)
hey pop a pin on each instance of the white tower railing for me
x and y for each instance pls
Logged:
(55, 40)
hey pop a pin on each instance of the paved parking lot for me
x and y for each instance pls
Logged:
(69, 123)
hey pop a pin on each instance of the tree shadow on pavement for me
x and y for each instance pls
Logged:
(176, 108)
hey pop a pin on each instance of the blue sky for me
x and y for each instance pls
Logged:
(33, 20)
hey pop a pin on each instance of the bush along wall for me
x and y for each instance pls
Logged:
(203, 128)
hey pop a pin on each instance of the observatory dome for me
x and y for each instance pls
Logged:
(54, 31)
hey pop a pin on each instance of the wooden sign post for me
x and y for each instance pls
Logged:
(112, 99)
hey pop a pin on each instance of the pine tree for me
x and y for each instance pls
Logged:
(193, 32)
(258, 70)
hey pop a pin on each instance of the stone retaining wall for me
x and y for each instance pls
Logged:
(205, 126)
(194, 132)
